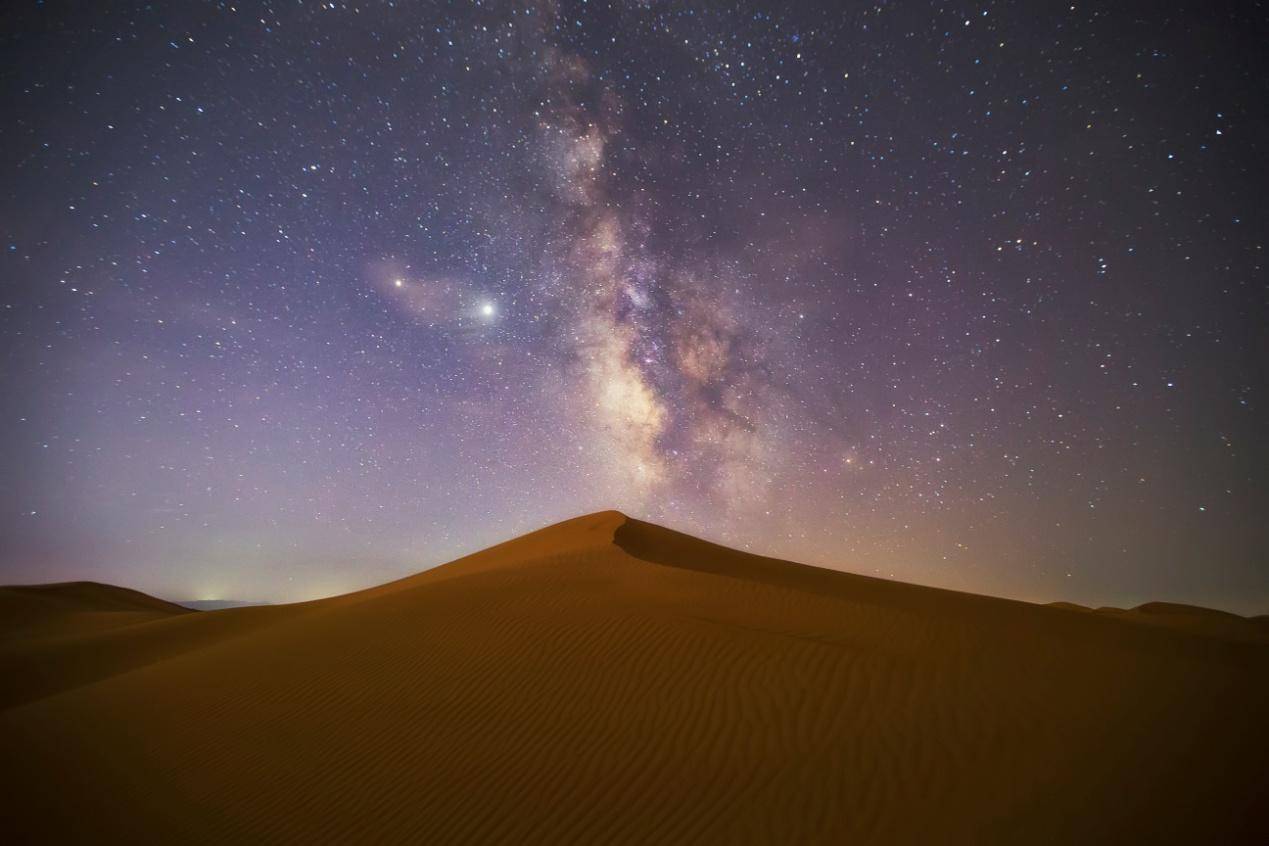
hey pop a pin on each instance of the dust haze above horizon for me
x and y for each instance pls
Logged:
(301, 298)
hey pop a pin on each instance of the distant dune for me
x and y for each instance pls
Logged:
(606, 680)
(74, 608)
(1190, 618)
(217, 604)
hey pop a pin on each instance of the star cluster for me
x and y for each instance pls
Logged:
(300, 297)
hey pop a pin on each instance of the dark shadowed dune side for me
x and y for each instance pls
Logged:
(606, 680)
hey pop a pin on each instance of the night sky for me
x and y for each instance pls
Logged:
(301, 297)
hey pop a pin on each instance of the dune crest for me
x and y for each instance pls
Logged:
(608, 680)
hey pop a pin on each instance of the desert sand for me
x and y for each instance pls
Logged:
(605, 680)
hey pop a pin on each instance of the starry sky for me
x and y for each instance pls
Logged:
(299, 297)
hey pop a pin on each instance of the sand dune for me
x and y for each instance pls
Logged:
(218, 604)
(1189, 618)
(605, 680)
(75, 608)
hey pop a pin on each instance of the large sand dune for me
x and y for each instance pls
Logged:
(605, 680)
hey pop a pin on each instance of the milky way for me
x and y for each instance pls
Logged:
(303, 297)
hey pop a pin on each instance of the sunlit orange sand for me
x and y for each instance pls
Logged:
(606, 680)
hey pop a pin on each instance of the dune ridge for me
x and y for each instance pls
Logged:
(608, 680)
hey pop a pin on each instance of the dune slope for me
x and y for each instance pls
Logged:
(606, 680)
